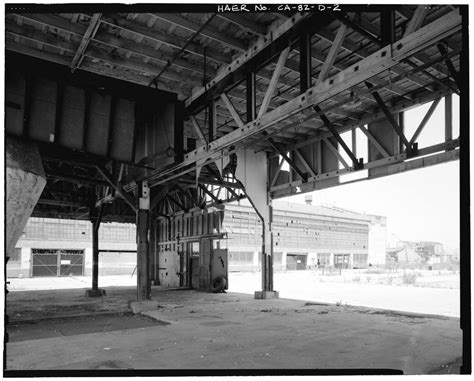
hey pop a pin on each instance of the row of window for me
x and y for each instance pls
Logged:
(321, 259)
(38, 228)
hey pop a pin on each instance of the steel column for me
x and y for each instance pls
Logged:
(442, 49)
(387, 27)
(448, 117)
(95, 215)
(143, 251)
(305, 62)
(251, 97)
(212, 121)
(95, 254)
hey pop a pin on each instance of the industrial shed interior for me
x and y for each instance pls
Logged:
(161, 118)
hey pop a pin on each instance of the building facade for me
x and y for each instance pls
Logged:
(58, 247)
(304, 237)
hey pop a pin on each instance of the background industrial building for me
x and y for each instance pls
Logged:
(306, 236)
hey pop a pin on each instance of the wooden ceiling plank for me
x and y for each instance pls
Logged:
(244, 23)
(165, 38)
(86, 38)
(208, 31)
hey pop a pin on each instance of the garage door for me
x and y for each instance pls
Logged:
(57, 262)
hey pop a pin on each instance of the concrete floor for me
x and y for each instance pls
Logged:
(421, 297)
(309, 285)
(223, 331)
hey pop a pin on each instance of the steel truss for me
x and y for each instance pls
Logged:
(317, 102)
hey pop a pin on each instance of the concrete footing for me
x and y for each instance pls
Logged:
(266, 295)
(95, 293)
(147, 305)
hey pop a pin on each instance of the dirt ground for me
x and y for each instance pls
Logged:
(195, 330)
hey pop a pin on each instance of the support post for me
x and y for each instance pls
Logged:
(267, 256)
(212, 121)
(250, 95)
(387, 27)
(448, 117)
(143, 252)
(252, 173)
(95, 217)
(305, 62)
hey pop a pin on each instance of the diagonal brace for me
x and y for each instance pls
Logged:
(198, 130)
(357, 163)
(211, 195)
(118, 188)
(181, 206)
(273, 82)
(185, 193)
(232, 110)
(305, 163)
(275, 177)
(336, 153)
(416, 20)
(284, 155)
(374, 141)
(219, 178)
(425, 120)
(449, 64)
(390, 118)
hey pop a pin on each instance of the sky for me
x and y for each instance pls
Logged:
(419, 205)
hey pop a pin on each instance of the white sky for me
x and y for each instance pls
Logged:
(419, 205)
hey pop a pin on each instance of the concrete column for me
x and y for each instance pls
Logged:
(252, 172)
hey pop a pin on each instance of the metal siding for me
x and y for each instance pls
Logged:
(98, 131)
(123, 129)
(72, 118)
(14, 103)
(42, 119)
